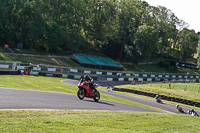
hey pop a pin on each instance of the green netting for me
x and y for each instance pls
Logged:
(83, 59)
(110, 62)
(97, 61)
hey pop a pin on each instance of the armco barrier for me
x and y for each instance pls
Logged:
(173, 99)
(152, 80)
(70, 76)
(127, 75)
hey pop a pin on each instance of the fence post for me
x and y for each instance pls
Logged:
(185, 87)
(169, 85)
(47, 68)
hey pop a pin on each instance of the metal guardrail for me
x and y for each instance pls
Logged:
(9, 65)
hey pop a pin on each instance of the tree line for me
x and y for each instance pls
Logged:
(121, 29)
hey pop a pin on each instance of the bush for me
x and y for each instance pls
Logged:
(163, 64)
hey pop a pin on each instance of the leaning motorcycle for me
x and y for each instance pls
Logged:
(192, 113)
(179, 109)
(86, 91)
(158, 100)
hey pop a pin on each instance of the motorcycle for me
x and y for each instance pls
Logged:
(192, 113)
(86, 91)
(158, 100)
(180, 109)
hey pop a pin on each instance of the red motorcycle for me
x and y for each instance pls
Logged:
(86, 91)
(158, 100)
(180, 109)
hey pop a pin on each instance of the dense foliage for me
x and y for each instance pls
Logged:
(126, 29)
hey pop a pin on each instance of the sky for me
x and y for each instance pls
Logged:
(187, 10)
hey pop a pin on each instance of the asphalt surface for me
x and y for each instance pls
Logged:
(17, 99)
(171, 108)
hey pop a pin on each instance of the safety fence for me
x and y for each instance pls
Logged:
(121, 75)
(128, 76)
(155, 79)
(8, 65)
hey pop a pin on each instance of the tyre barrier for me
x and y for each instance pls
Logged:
(18, 72)
(173, 99)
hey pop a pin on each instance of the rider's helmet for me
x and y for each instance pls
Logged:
(192, 110)
(177, 106)
(86, 77)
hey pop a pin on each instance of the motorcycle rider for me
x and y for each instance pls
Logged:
(89, 80)
(87, 88)
(193, 113)
(179, 108)
(157, 98)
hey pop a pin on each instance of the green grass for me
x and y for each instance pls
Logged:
(36, 83)
(8, 58)
(72, 63)
(156, 68)
(65, 62)
(25, 51)
(144, 68)
(96, 122)
(45, 60)
(177, 90)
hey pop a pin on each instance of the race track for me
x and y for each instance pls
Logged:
(16, 99)
(19, 99)
(171, 108)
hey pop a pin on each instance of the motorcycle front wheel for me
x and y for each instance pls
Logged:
(81, 94)
(96, 96)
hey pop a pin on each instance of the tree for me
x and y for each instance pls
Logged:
(165, 23)
(120, 29)
(188, 42)
(145, 40)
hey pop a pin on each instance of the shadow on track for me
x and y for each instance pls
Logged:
(100, 102)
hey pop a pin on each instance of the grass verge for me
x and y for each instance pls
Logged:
(177, 90)
(165, 101)
(96, 121)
